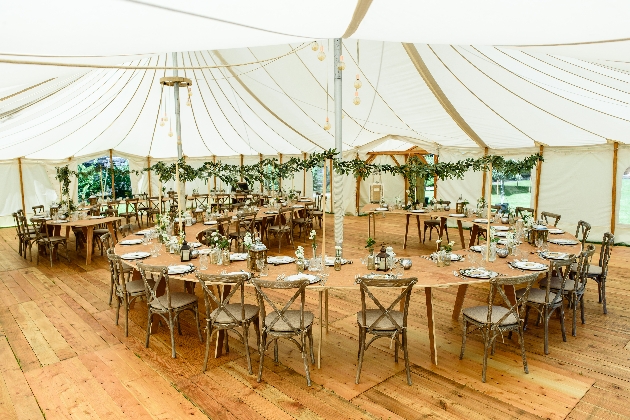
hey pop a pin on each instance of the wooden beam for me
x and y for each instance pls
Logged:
(613, 215)
(241, 168)
(538, 172)
(214, 160)
(435, 88)
(400, 152)
(21, 185)
(304, 177)
(396, 160)
(111, 171)
(483, 182)
(435, 178)
(260, 157)
(406, 184)
(280, 180)
(149, 172)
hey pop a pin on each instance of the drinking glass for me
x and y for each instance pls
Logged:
(263, 268)
(155, 250)
(524, 255)
(203, 261)
(399, 269)
(539, 243)
(473, 259)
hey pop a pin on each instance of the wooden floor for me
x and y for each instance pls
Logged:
(62, 356)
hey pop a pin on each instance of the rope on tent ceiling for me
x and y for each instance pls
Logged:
(105, 66)
(157, 116)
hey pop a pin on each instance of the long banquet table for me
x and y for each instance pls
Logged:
(429, 276)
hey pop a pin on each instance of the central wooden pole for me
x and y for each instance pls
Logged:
(111, 170)
(613, 218)
(21, 185)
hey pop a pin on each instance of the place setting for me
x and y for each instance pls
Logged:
(563, 241)
(278, 260)
(135, 256)
(131, 242)
(180, 269)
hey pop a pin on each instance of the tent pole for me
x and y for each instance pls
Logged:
(214, 160)
(324, 218)
(483, 182)
(407, 184)
(614, 189)
(538, 172)
(21, 185)
(338, 180)
(280, 180)
(149, 172)
(304, 177)
(435, 178)
(488, 216)
(111, 170)
(178, 131)
(241, 168)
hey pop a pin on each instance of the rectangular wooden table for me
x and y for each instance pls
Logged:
(88, 225)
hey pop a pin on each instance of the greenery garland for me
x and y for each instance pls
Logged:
(271, 169)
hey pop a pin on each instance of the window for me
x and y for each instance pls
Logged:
(516, 190)
(624, 205)
(95, 178)
(318, 179)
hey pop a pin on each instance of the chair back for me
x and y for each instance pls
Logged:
(159, 274)
(581, 272)
(223, 225)
(365, 285)
(604, 253)
(38, 209)
(521, 211)
(497, 285)
(247, 222)
(582, 230)
(18, 226)
(40, 228)
(131, 205)
(218, 300)
(116, 271)
(125, 229)
(106, 239)
(546, 216)
(111, 212)
(562, 270)
(285, 218)
(263, 298)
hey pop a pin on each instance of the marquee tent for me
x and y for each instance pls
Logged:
(454, 78)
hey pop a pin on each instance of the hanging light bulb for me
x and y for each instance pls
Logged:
(356, 99)
(189, 92)
(315, 46)
(357, 83)
(322, 55)
(162, 122)
(188, 102)
(165, 117)
(341, 65)
(327, 125)
(170, 130)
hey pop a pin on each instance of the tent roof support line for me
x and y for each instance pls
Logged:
(435, 88)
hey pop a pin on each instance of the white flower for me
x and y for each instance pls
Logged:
(439, 240)
(338, 248)
(312, 235)
(451, 243)
(299, 252)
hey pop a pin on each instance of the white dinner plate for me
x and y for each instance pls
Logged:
(419, 211)
(143, 232)
(131, 242)
(554, 255)
(454, 257)
(556, 231)
(238, 256)
(480, 220)
(478, 273)
(297, 277)
(205, 251)
(500, 234)
(280, 260)
(330, 261)
(210, 222)
(382, 209)
(180, 269)
(457, 215)
(476, 248)
(135, 255)
(298, 206)
(97, 217)
(194, 244)
(563, 241)
(529, 265)
(501, 228)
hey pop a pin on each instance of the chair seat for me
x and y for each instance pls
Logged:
(100, 232)
(178, 300)
(556, 282)
(594, 271)
(536, 295)
(385, 324)
(480, 315)
(277, 228)
(293, 317)
(55, 239)
(136, 286)
(432, 222)
(235, 309)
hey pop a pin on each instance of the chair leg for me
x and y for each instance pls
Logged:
(149, 317)
(582, 309)
(486, 344)
(111, 289)
(464, 327)
(126, 315)
(171, 327)
(599, 291)
(361, 353)
(562, 327)
(246, 344)
(406, 353)
(310, 339)
(574, 329)
(305, 359)
(396, 351)
(546, 331)
(526, 317)
(521, 341)
(261, 353)
(602, 281)
(198, 324)
(118, 303)
(275, 350)
(208, 339)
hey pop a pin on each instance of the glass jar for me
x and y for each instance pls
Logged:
(299, 264)
(371, 260)
(225, 257)
(447, 258)
(338, 260)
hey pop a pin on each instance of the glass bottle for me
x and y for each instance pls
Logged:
(338, 260)
(371, 262)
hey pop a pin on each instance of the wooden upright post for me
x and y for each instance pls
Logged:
(304, 177)
(21, 185)
(262, 187)
(111, 171)
(280, 180)
(214, 160)
(149, 172)
(241, 168)
(483, 183)
(435, 178)
(613, 218)
(538, 172)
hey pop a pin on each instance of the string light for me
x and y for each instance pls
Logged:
(357, 83)
(170, 131)
(322, 55)
(327, 125)
(315, 46)
(341, 65)
(356, 99)
(162, 122)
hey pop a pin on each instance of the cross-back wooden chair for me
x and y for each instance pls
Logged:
(600, 271)
(493, 320)
(545, 301)
(29, 236)
(522, 211)
(582, 231)
(547, 216)
(50, 243)
(125, 289)
(38, 210)
(221, 315)
(18, 234)
(304, 221)
(283, 226)
(284, 323)
(245, 223)
(168, 306)
(131, 211)
(318, 211)
(384, 322)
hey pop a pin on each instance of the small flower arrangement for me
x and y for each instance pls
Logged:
(313, 237)
(447, 248)
(219, 241)
(481, 203)
(369, 244)
(493, 235)
(248, 241)
(528, 221)
(299, 252)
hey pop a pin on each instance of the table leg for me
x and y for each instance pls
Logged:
(443, 227)
(473, 234)
(459, 300)
(419, 231)
(88, 246)
(67, 233)
(406, 232)
(326, 308)
(321, 330)
(432, 345)
(461, 234)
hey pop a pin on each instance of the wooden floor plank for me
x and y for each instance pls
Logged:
(15, 387)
